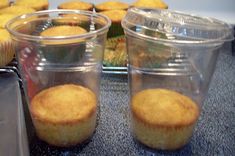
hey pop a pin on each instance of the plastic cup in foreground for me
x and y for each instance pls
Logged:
(60, 58)
(171, 57)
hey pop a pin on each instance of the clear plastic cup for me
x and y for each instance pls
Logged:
(61, 72)
(171, 59)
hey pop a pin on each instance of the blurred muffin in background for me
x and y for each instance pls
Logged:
(4, 18)
(4, 3)
(63, 30)
(111, 5)
(53, 52)
(150, 4)
(74, 20)
(12, 11)
(17, 10)
(76, 5)
(115, 48)
(35, 4)
(6, 48)
(116, 17)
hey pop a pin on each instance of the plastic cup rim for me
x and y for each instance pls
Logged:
(58, 38)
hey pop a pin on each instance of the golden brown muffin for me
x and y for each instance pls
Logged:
(111, 5)
(76, 5)
(4, 3)
(150, 4)
(4, 18)
(64, 115)
(6, 48)
(74, 49)
(163, 119)
(35, 4)
(63, 30)
(16, 10)
(115, 16)
(74, 20)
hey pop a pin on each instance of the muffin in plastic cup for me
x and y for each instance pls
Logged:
(61, 67)
(171, 59)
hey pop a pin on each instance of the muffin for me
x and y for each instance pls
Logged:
(163, 119)
(76, 5)
(16, 10)
(64, 115)
(35, 4)
(150, 4)
(116, 17)
(73, 20)
(64, 30)
(4, 18)
(111, 5)
(64, 51)
(6, 48)
(4, 3)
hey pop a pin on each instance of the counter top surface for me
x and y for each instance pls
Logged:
(214, 134)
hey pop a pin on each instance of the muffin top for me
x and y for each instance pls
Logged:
(150, 4)
(64, 104)
(5, 36)
(4, 18)
(16, 10)
(76, 4)
(63, 30)
(112, 5)
(35, 4)
(115, 15)
(4, 3)
(73, 19)
(162, 107)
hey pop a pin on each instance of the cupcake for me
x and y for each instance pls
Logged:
(4, 3)
(4, 18)
(76, 5)
(116, 17)
(64, 115)
(16, 10)
(63, 51)
(35, 4)
(111, 5)
(10, 12)
(157, 4)
(64, 30)
(163, 119)
(6, 48)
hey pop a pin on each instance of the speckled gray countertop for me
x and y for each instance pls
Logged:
(214, 134)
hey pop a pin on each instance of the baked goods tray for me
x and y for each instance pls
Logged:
(14, 141)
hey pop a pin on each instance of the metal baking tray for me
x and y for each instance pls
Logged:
(14, 141)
